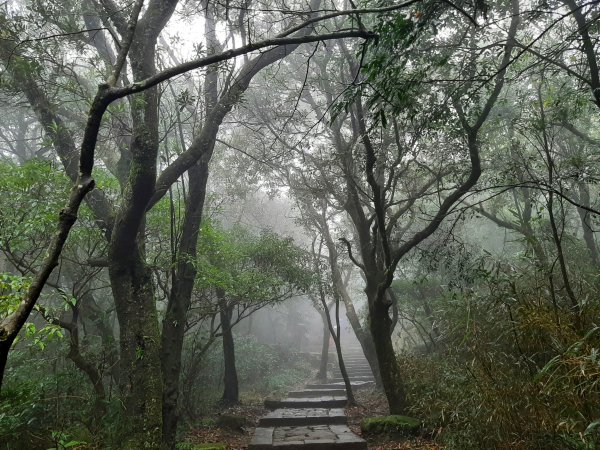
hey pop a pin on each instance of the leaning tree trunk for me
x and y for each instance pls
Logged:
(364, 338)
(179, 301)
(99, 407)
(336, 334)
(97, 318)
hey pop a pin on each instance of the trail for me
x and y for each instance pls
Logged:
(314, 418)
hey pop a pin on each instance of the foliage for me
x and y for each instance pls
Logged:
(509, 375)
(64, 441)
(29, 208)
(402, 425)
(262, 370)
(12, 289)
(22, 410)
(31, 196)
(249, 267)
(510, 360)
(40, 406)
(186, 446)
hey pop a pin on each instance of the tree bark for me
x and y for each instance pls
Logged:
(322, 375)
(83, 364)
(586, 225)
(335, 334)
(99, 408)
(185, 272)
(132, 287)
(364, 337)
(130, 277)
(380, 326)
(231, 395)
(174, 322)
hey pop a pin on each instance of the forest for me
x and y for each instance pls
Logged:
(207, 205)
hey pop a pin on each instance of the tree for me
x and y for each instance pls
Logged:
(131, 279)
(246, 273)
(334, 330)
(23, 237)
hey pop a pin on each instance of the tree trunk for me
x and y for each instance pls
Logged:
(92, 372)
(322, 375)
(133, 291)
(364, 338)
(588, 232)
(179, 300)
(82, 363)
(335, 334)
(231, 395)
(130, 277)
(395, 312)
(94, 314)
(380, 325)
(5, 345)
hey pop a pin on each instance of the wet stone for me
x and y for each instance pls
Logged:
(313, 419)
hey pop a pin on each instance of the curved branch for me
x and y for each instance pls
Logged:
(351, 256)
(171, 72)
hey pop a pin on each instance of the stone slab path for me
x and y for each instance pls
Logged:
(287, 417)
(314, 418)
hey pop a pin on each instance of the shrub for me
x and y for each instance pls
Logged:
(512, 372)
(402, 425)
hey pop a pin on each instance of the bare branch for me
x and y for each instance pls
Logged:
(169, 73)
(126, 43)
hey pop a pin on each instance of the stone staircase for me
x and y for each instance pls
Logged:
(314, 418)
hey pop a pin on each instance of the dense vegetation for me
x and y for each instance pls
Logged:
(181, 182)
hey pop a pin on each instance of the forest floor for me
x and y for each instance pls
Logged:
(371, 403)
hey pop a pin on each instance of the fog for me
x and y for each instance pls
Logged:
(263, 225)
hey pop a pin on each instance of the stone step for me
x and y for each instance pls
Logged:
(324, 386)
(356, 371)
(316, 437)
(338, 376)
(303, 417)
(341, 380)
(326, 401)
(317, 393)
(340, 385)
(355, 366)
(353, 373)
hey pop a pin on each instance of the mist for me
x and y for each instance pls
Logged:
(300, 225)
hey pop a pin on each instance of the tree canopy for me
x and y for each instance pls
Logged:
(182, 180)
